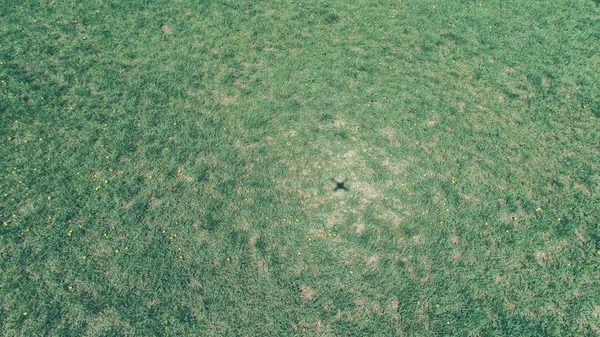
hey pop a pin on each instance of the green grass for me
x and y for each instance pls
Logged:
(166, 168)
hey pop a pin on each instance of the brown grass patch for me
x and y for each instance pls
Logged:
(373, 260)
(583, 189)
(545, 81)
(252, 240)
(334, 219)
(389, 132)
(358, 50)
(349, 154)
(307, 294)
(360, 228)
(166, 29)
(228, 100)
(338, 123)
(455, 240)
(457, 256)
(154, 202)
(128, 204)
(540, 256)
(397, 166)
(596, 311)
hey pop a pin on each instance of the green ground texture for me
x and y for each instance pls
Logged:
(166, 166)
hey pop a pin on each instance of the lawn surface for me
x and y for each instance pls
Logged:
(166, 168)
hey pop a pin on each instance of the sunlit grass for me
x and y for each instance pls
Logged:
(166, 168)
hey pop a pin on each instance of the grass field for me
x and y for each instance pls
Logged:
(165, 168)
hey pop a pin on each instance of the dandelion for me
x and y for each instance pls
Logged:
(25, 313)
(84, 257)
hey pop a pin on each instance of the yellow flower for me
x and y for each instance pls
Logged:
(25, 313)
(84, 257)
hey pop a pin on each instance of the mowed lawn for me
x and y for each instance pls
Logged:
(166, 166)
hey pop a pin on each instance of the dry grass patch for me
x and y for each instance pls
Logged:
(540, 256)
(360, 227)
(166, 29)
(372, 260)
(307, 294)
(154, 202)
(338, 123)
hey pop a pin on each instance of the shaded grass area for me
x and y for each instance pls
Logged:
(166, 168)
